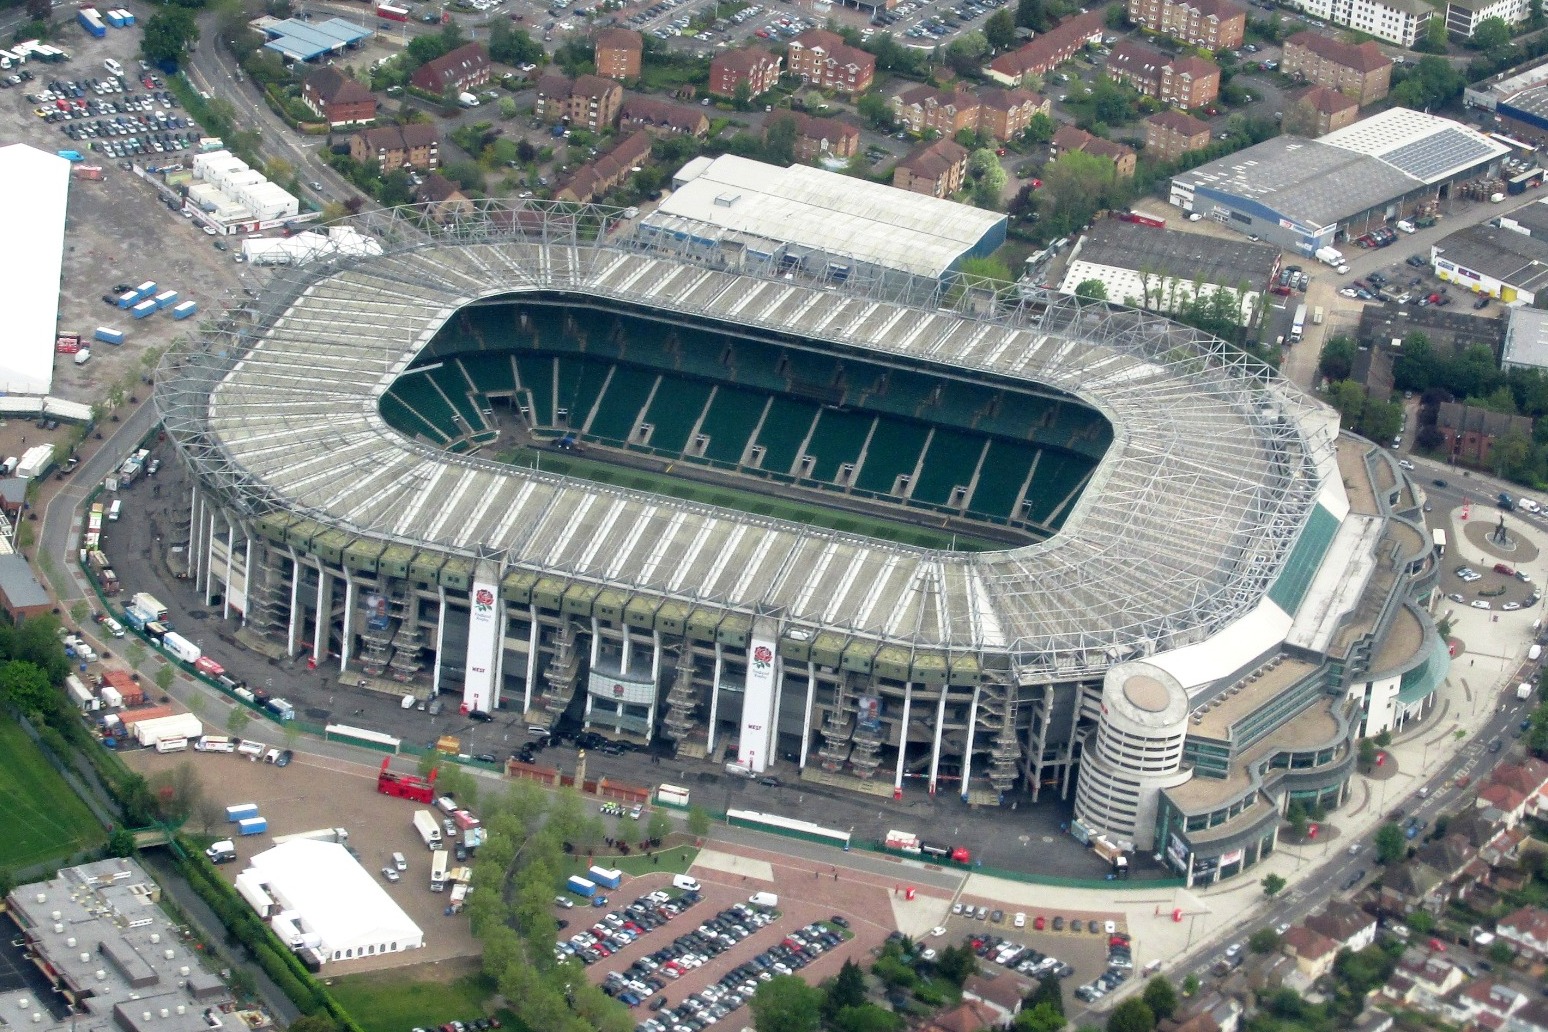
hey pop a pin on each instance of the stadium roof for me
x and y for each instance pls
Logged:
(809, 207)
(1361, 166)
(305, 40)
(333, 896)
(1164, 252)
(1215, 466)
(37, 188)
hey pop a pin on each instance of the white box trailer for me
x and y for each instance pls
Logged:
(149, 732)
(81, 695)
(181, 647)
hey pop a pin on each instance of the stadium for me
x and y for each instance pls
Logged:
(904, 533)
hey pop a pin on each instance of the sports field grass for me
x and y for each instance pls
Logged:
(384, 1001)
(599, 472)
(45, 819)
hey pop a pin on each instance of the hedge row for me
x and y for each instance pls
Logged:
(244, 925)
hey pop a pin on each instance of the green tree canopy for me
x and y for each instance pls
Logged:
(1094, 289)
(785, 1003)
(1132, 1015)
(169, 33)
(1161, 997)
(1391, 846)
(1041, 1018)
(1491, 34)
(1000, 29)
(1273, 885)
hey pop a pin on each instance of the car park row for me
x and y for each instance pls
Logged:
(618, 929)
(1120, 966)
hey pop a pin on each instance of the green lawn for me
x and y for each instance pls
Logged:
(384, 1002)
(570, 464)
(46, 819)
(673, 860)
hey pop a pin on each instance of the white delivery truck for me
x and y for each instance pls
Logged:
(1333, 257)
(429, 830)
(1524, 690)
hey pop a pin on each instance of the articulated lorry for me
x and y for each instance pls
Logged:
(429, 830)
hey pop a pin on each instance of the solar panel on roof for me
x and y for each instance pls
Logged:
(1435, 155)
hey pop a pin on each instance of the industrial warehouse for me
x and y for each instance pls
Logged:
(1048, 542)
(1306, 194)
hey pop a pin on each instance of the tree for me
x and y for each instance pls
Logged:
(1264, 940)
(741, 97)
(135, 654)
(986, 177)
(169, 33)
(699, 822)
(165, 675)
(1041, 1018)
(785, 1003)
(1190, 985)
(956, 963)
(1421, 921)
(1337, 357)
(1430, 82)
(659, 826)
(1367, 754)
(1491, 34)
(26, 687)
(1034, 15)
(1273, 885)
(966, 53)
(847, 988)
(1050, 991)
(874, 109)
(1000, 29)
(867, 1017)
(1390, 844)
(279, 170)
(1132, 1015)
(237, 721)
(120, 842)
(1094, 289)
(1040, 129)
(779, 140)
(1161, 997)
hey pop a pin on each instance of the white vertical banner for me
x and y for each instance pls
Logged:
(753, 747)
(478, 691)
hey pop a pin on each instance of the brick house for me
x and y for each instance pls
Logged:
(1186, 81)
(822, 58)
(338, 99)
(460, 70)
(442, 197)
(587, 101)
(922, 107)
(1171, 134)
(1005, 114)
(1318, 110)
(1215, 24)
(758, 68)
(1002, 993)
(1069, 138)
(1526, 931)
(819, 137)
(1510, 803)
(935, 168)
(1471, 433)
(1361, 70)
(662, 117)
(617, 53)
(398, 146)
(1349, 926)
(1049, 50)
(597, 177)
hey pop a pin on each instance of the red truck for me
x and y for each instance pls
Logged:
(405, 786)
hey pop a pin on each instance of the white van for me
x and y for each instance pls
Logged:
(764, 899)
(682, 881)
(408, 700)
(214, 743)
(116, 508)
(113, 627)
(9, 466)
(113, 67)
(1407, 227)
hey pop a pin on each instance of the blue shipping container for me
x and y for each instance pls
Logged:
(186, 309)
(580, 886)
(252, 826)
(116, 19)
(91, 22)
(108, 335)
(166, 299)
(134, 618)
(603, 876)
(129, 300)
(127, 16)
(143, 309)
(145, 290)
(241, 811)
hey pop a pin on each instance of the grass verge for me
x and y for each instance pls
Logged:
(45, 819)
(383, 1001)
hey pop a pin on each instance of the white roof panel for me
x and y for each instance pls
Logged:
(333, 896)
(37, 191)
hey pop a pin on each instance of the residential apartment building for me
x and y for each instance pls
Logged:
(730, 68)
(1006, 114)
(1360, 70)
(1171, 134)
(1185, 81)
(1046, 52)
(1216, 24)
(462, 69)
(587, 101)
(1463, 16)
(662, 117)
(337, 99)
(597, 177)
(1471, 433)
(392, 147)
(937, 169)
(617, 53)
(821, 137)
(1396, 21)
(922, 107)
(1069, 138)
(823, 59)
(1318, 110)
(443, 199)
